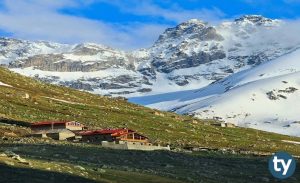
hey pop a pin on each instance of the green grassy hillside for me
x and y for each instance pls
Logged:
(25, 101)
(28, 101)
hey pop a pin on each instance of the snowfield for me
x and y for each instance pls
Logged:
(266, 97)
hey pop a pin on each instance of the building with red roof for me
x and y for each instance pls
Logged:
(113, 135)
(58, 130)
(118, 138)
(53, 125)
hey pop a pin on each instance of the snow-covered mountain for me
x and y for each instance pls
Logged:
(189, 56)
(243, 71)
(265, 97)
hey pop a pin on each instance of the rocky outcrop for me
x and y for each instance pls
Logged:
(57, 62)
(182, 60)
(173, 49)
(194, 29)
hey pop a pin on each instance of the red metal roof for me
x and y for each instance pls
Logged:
(113, 132)
(49, 123)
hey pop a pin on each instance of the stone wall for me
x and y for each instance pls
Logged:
(133, 146)
(97, 138)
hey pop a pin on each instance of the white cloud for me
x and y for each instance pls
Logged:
(173, 13)
(285, 35)
(42, 20)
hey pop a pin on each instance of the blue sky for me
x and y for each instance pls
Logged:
(124, 24)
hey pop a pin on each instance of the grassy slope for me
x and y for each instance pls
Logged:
(53, 161)
(97, 111)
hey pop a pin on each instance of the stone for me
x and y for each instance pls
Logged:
(265, 179)
(169, 166)
(104, 166)
(95, 169)
(10, 154)
(10, 134)
(80, 167)
(73, 157)
(102, 170)
(26, 96)
(3, 155)
(9, 163)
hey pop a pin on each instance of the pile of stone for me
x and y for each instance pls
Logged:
(15, 156)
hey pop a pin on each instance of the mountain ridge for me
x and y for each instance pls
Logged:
(264, 97)
(190, 55)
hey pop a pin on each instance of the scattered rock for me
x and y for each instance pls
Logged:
(15, 156)
(95, 169)
(158, 113)
(10, 134)
(73, 157)
(21, 160)
(169, 166)
(102, 170)
(10, 154)
(3, 155)
(104, 166)
(80, 167)
(26, 96)
(56, 155)
(265, 179)
(9, 163)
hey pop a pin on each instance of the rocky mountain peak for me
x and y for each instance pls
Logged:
(193, 22)
(190, 27)
(256, 20)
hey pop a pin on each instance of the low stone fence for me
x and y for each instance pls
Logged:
(133, 146)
